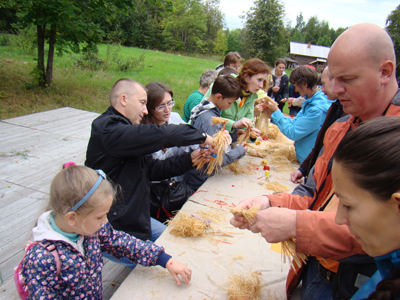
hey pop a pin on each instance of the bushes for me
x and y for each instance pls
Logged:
(90, 60)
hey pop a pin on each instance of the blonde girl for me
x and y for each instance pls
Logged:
(77, 226)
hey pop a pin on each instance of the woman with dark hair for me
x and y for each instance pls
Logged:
(252, 77)
(175, 190)
(366, 175)
(303, 129)
(280, 88)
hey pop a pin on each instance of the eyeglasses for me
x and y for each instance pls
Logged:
(164, 106)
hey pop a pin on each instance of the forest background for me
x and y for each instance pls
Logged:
(56, 53)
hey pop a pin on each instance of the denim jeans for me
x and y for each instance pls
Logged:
(314, 286)
(157, 228)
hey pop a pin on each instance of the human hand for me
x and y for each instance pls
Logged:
(228, 136)
(261, 107)
(243, 123)
(290, 102)
(200, 153)
(255, 132)
(209, 141)
(272, 106)
(240, 132)
(284, 100)
(296, 176)
(175, 268)
(275, 89)
(260, 201)
(244, 144)
(275, 224)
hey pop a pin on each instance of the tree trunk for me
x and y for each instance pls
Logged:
(50, 58)
(40, 39)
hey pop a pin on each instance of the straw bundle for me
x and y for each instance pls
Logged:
(251, 150)
(245, 287)
(289, 249)
(221, 141)
(276, 187)
(238, 169)
(262, 120)
(217, 120)
(235, 167)
(244, 137)
(273, 131)
(287, 151)
(247, 214)
(281, 163)
(185, 225)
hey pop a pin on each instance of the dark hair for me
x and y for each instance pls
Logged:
(155, 94)
(371, 153)
(252, 67)
(303, 74)
(232, 58)
(227, 86)
(387, 289)
(280, 61)
(228, 71)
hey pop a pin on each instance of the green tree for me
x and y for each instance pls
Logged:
(234, 40)
(265, 30)
(296, 34)
(142, 26)
(393, 27)
(221, 43)
(185, 27)
(214, 22)
(310, 31)
(8, 15)
(324, 41)
(66, 25)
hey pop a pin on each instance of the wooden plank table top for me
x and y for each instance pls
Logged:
(215, 257)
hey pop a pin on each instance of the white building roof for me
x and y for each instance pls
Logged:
(323, 60)
(313, 51)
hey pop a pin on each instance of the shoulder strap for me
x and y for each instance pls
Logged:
(53, 250)
(19, 281)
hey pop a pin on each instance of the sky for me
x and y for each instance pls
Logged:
(339, 13)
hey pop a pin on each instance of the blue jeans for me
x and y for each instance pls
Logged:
(157, 228)
(314, 286)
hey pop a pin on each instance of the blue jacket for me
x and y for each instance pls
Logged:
(305, 127)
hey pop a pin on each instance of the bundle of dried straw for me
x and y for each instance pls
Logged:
(289, 250)
(185, 225)
(221, 141)
(247, 214)
(245, 286)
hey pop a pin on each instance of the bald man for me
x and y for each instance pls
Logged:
(335, 112)
(362, 63)
(122, 148)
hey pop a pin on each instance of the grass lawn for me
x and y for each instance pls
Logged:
(88, 90)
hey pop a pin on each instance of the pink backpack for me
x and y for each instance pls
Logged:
(19, 280)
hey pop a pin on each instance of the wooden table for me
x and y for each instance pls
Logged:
(215, 257)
